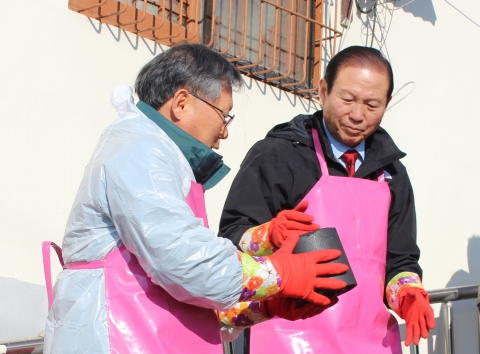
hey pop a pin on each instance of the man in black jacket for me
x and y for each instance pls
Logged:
(281, 171)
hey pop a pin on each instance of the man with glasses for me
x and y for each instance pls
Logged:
(143, 273)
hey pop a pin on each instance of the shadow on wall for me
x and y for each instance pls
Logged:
(133, 39)
(465, 312)
(154, 48)
(23, 309)
(421, 8)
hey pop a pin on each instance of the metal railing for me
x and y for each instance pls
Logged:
(23, 346)
(444, 296)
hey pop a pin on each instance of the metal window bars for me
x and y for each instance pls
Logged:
(445, 296)
(163, 21)
(273, 41)
(279, 42)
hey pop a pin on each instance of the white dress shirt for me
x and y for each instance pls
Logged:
(339, 148)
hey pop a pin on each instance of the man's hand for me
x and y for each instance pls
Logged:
(302, 273)
(290, 223)
(286, 308)
(417, 313)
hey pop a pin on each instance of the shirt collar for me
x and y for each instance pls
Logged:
(339, 148)
(206, 164)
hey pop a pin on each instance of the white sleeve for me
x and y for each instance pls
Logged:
(147, 205)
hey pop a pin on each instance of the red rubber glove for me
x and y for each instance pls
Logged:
(302, 273)
(291, 223)
(417, 313)
(286, 307)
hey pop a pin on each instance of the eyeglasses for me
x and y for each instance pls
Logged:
(227, 118)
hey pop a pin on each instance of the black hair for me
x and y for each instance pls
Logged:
(358, 56)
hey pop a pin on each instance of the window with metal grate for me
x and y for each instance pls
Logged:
(279, 42)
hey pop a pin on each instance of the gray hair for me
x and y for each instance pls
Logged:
(190, 66)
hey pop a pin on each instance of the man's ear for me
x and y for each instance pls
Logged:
(322, 90)
(181, 102)
(388, 101)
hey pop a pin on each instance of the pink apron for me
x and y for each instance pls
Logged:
(142, 317)
(359, 322)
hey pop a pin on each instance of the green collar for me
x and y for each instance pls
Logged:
(206, 164)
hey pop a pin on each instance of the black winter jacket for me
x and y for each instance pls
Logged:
(280, 170)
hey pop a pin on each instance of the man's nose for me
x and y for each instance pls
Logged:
(357, 112)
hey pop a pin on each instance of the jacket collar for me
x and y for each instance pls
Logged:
(380, 150)
(207, 165)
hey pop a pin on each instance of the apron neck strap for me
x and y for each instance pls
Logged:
(319, 151)
(322, 161)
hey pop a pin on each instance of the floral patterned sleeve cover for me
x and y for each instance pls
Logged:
(256, 242)
(243, 315)
(398, 285)
(260, 281)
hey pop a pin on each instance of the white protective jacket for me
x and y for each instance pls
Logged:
(133, 193)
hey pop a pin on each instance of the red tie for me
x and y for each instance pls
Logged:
(349, 158)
